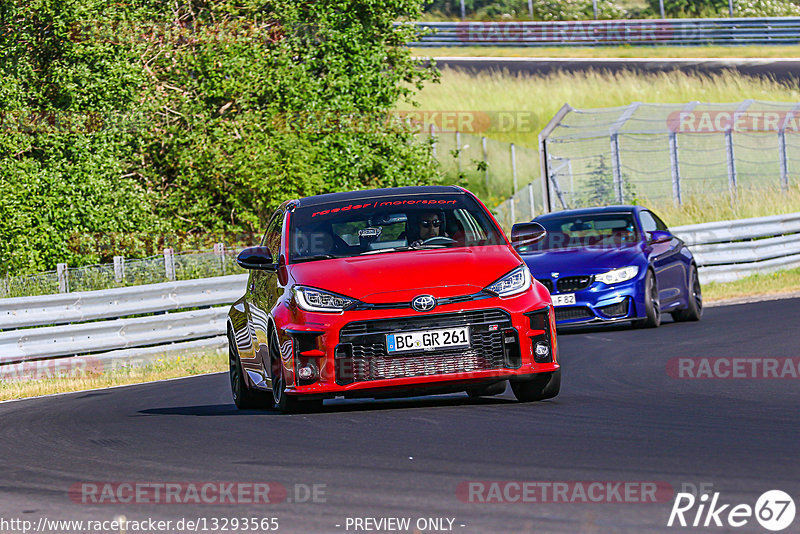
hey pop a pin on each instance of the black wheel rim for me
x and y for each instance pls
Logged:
(654, 299)
(275, 370)
(234, 372)
(697, 294)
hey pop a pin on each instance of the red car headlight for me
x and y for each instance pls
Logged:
(317, 300)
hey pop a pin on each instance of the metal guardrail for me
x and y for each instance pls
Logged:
(102, 333)
(19, 312)
(724, 251)
(729, 250)
(727, 31)
(99, 336)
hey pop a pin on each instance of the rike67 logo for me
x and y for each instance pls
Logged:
(774, 510)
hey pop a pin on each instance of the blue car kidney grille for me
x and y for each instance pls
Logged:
(568, 284)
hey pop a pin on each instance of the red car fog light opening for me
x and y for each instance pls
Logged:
(541, 343)
(308, 357)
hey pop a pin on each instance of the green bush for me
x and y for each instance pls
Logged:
(123, 120)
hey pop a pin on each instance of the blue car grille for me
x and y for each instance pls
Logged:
(615, 310)
(568, 284)
(573, 312)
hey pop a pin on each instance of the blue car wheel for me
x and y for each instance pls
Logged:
(652, 306)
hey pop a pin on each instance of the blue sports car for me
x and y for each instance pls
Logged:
(613, 264)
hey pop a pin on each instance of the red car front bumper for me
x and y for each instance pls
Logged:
(347, 351)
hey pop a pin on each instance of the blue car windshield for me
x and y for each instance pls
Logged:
(607, 230)
(376, 226)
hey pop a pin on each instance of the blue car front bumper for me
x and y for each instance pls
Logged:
(596, 302)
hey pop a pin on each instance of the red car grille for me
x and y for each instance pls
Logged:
(362, 354)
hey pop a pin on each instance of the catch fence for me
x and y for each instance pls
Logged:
(657, 153)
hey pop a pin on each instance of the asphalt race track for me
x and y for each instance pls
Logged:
(620, 417)
(785, 70)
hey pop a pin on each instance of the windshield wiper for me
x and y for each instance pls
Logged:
(314, 258)
(381, 250)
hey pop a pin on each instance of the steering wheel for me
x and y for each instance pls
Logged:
(439, 240)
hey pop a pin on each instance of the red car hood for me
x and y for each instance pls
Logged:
(400, 276)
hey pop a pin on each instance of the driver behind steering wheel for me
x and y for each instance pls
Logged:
(428, 224)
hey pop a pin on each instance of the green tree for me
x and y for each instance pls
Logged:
(197, 117)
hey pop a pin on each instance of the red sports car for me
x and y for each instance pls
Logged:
(388, 293)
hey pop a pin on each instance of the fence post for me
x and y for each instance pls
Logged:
(544, 157)
(463, 10)
(169, 263)
(729, 146)
(219, 251)
(458, 151)
(615, 167)
(119, 269)
(615, 160)
(514, 166)
(782, 145)
(676, 173)
(433, 139)
(530, 8)
(485, 162)
(63, 277)
(530, 198)
(731, 162)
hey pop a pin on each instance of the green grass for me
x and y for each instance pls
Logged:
(542, 96)
(758, 284)
(185, 364)
(711, 208)
(778, 51)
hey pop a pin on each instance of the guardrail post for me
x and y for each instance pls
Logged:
(63, 277)
(219, 250)
(675, 167)
(169, 263)
(119, 269)
(512, 211)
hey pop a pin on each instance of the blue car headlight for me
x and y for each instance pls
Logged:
(515, 282)
(317, 300)
(617, 275)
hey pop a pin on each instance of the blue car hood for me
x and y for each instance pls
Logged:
(577, 261)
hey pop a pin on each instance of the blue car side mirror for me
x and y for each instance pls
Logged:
(658, 236)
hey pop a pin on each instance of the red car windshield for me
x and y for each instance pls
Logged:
(392, 224)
